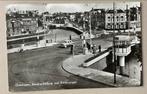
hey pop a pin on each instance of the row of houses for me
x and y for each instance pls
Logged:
(24, 22)
(100, 18)
(124, 19)
(104, 19)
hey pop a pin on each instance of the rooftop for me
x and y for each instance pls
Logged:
(117, 11)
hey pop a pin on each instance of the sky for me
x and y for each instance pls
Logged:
(72, 7)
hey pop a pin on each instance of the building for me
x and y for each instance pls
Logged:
(134, 17)
(21, 22)
(97, 19)
(72, 17)
(47, 18)
(79, 19)
(120, 19)
(59, 20)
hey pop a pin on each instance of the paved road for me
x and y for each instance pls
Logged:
(29, 69)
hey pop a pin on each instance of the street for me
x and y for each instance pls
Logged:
(43, 65)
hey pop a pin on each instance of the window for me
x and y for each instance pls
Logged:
(117, 25)
(122, 25)
(109, 19)
(108, 23)
(117, 18)
(122, 18)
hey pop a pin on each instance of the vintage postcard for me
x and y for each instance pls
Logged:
(74, 46)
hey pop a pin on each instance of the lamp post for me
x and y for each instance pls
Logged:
(100, 19)
(114, 56)
(12, 22)
(90, 29)
(84, 40)
(45, 33)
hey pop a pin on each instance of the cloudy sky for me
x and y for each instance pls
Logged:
(70, 7)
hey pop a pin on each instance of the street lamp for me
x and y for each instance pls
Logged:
(99, 19)
(114, 56)
(45, 34)
(12, 22)
(83, 35)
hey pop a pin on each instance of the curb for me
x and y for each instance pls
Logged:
(85, 77)
(108, 84)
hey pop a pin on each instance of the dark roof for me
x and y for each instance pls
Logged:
(103, 10)
(110, 11)
(21, 16)
(120, 11)
(117, 11)
(133, 10)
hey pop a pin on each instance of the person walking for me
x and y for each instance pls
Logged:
(99, 48)
(94, 49)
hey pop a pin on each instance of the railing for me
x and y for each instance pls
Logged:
(99, 54)
(78, 31)
(21, 36)
(123, 51)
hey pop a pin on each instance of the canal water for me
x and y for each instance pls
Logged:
(58, 35)
(53, 36)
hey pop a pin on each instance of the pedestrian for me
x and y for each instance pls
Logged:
(72, 49)
(99, 48)
(70, 38)
(94, 49)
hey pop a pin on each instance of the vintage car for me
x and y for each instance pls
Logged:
(66, 43)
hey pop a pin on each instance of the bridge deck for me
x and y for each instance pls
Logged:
(96, 58)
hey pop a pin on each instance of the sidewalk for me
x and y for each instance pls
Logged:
(72, 65)
(29, 47)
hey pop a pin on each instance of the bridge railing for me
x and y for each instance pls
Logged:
(21, 36)
(78, 31)
(97, 55)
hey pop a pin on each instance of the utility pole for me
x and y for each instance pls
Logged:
(114, 56)
(128, 23)
(90, 29)
(128, 20)
(84, 40)
(83, 35)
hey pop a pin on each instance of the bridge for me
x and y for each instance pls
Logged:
(77, 30)
(96, 58)
(42, 34)
(106, 52)
(74, 29)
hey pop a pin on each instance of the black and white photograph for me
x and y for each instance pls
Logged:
(56, 46)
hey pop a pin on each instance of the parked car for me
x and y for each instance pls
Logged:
(66, 43)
